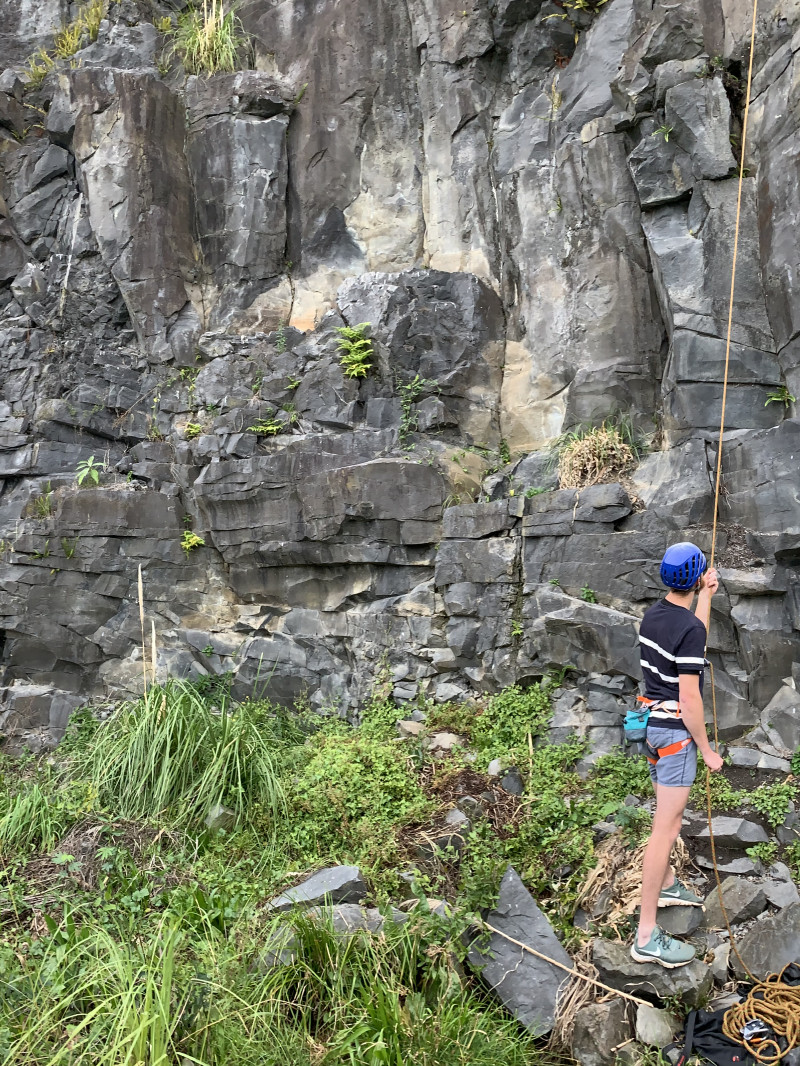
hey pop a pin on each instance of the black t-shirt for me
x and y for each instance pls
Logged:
(672, 641)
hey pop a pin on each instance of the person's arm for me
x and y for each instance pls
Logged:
(709, 583)
(690, 697)
(693, 718)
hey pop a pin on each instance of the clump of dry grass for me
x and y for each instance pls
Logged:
(618, 874)
(588, 457)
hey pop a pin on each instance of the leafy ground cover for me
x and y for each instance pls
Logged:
(131, 933)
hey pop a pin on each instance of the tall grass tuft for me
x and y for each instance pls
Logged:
(30, 821)
(211, 40)
(170, 754)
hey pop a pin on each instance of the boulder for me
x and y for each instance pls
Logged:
(655, 1026)
(220, 817)
(348, 918)
(743, 899)
(526, 985)
(599, 1029)
(780, 719)
(337, 884)
(680, 921)
(770, 944)
(617, 969)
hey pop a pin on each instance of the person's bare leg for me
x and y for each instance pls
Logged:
(670, 805)
(669, 876)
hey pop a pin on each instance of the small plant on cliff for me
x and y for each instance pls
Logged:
(409, 394)
(88, 470)
(588, 595)
(356, 349)
(39, 66)
(211, 40)
(781, 395)
(662, 131)
(190, 541)
(267, 427)
(590, 455)
(193, 429)
(43, 505)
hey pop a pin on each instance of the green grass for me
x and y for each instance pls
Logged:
(150, 948)
(209, 40)
(169, 754)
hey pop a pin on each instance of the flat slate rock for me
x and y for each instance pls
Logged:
(526, 985)
(649, 980)
(734, 833)
(337, 884)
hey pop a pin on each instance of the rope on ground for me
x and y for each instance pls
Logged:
(567, 969)
(772, 1002)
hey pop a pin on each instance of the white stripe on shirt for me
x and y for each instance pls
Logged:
(664, 677)
(686, 661)
(652, 644)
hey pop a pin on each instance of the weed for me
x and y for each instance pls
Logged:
(792, 857)
(356, 349)
(67, 40)
(43, 504)
(188, 374)
(795, 763)
(531, 492)
(88, 470)
(39, 66)
(782, 395)
(409, 394)
(192, 430)
(209, 41)
(765, 852)
(588, 595)
(280, 340)
(504, 453)
(662, 131)
(190, 541)
(69, 545)
(293, 383)
(44, 553)
(516, 628)
(163, 25)
(773, 800)
(30, 821)
(267, 427)
(208, 649)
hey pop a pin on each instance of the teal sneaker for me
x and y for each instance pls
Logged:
(678, 896)
(663, 949)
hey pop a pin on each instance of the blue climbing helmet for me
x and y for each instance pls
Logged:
(682, 565)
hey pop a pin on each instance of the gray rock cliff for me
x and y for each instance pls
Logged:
(533, 207)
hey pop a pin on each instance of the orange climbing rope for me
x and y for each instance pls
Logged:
(718, 480)
(773, 1002)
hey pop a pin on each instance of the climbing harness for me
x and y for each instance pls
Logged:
(635, 724)
(671, 749)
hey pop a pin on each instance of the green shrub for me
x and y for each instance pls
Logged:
(352, 792)
(508, 719)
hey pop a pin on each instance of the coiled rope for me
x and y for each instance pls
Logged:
(773, 1002)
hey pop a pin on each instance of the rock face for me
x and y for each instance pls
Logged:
(770, 945)
(535, 216)
(525, 984)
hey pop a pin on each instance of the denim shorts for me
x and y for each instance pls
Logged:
(674, 771)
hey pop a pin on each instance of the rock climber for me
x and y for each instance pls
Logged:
(672, 643)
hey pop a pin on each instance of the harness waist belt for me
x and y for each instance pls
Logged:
(671, 749)
(660, 705)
